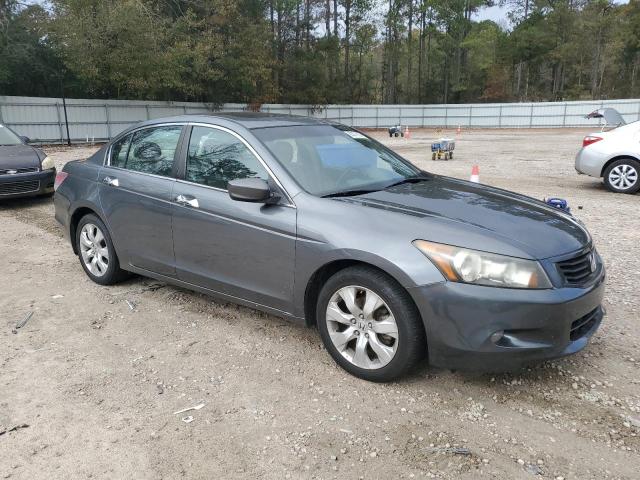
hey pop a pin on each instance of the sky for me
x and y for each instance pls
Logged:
(499, 14)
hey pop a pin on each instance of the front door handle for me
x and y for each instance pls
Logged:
(111, 181)
(187, 200)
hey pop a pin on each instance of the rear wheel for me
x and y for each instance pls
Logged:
(369, 324)
(95, 250)
(623, 176)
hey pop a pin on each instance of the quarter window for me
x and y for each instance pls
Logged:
(119, 152)
(152, 150)
(216, 157)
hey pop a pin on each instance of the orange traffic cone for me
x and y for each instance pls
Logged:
(407, 133)
(475, 174)
(459, 130)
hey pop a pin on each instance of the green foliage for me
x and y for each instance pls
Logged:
(304, 51)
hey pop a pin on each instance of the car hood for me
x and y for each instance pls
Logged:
(18, 156)
(461, 212)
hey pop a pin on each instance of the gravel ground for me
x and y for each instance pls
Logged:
(91, 382)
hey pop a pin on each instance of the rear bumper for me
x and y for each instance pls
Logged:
(537, 325)
(61, 206)
(27, 184)
(590, 162)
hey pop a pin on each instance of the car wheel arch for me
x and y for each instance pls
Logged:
(76, 216)
(322, 274)
(616, 158)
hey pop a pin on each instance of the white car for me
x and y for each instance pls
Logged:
(614, 156)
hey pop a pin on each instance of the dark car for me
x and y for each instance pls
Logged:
(317, 222)
(25, 171)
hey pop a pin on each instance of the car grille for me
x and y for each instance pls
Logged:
(582, 325)
(5, 171)
(11, 188)
(578, 269)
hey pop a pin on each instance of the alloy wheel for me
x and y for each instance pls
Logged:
(94, 249)
(362, 327)
(623, 177)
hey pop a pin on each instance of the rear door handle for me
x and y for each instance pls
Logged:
(187, 200)
(111, 181)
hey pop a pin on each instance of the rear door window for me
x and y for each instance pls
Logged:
(152, 150)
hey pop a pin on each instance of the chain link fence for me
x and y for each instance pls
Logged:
(47, 120)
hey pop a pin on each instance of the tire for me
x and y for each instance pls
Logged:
(358, 339)
(450, 155)
(92, 232)
(433, 156)
(623, 176)
(396, 134)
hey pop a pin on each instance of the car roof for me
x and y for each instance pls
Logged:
(250, 120)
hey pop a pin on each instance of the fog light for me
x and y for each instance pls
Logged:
(497, 336)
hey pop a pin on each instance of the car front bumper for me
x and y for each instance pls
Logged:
(27, 184)
(472, 327)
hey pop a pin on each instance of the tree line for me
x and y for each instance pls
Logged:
(320, 51)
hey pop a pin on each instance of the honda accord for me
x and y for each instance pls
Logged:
(318, 222)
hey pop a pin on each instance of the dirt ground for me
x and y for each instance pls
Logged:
(93, 379)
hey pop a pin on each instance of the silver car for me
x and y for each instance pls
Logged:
(319, 223)
(614, 156)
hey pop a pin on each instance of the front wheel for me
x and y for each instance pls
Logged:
(370, 325)
(623, 176)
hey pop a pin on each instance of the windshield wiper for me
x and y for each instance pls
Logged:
(416, 179)
(349, 193)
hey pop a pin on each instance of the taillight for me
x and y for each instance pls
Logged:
(60, 177)
(589, 139)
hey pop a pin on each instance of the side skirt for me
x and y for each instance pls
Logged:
(215, 294)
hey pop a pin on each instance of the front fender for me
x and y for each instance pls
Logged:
(408, 266)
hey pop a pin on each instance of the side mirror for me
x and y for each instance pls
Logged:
(25, 139)
(249, 190)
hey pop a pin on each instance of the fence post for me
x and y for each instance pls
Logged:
(564, 115)
(470, 115)
(66, 119)
(146, 107)
(378, 116)
(106, 114)
(59, 122)
(531, 116)
(446, 115)
(1, 121)
(500, 117)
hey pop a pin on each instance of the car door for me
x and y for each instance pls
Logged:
(245, 250)
(136, 186)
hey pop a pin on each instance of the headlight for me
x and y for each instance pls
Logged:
(47, 163)
(481, 268)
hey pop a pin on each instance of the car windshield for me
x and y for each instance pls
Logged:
(330, 160)
(7, 137)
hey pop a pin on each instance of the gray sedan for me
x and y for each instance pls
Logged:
(25, 171)
(319, 223)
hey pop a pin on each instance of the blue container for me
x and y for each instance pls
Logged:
(559, 203)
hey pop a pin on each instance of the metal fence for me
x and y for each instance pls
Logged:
(45, 119)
